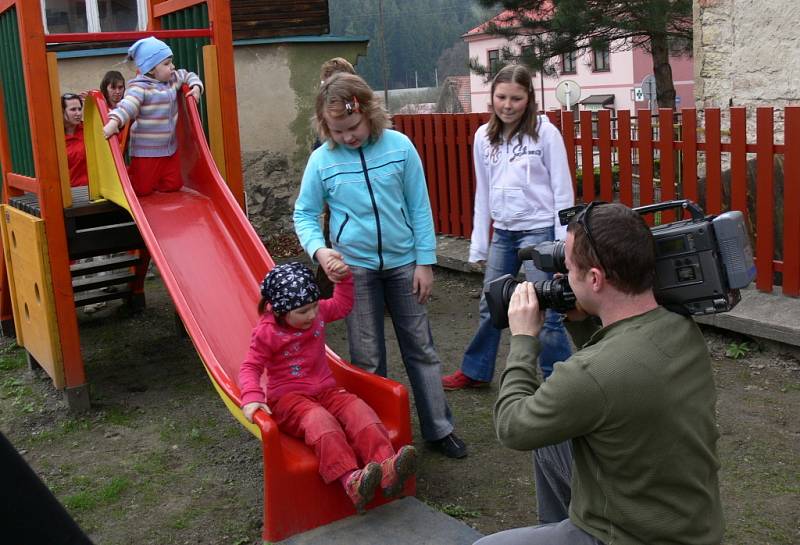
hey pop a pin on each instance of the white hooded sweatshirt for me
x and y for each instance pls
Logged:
(520, 186)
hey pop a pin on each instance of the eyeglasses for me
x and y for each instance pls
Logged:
(70, 96)
(582, 219)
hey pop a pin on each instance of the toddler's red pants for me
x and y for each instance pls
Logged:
(343, 430)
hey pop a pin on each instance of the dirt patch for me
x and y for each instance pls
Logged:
(159, 460)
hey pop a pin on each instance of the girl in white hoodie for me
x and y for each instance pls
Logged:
(522, 181)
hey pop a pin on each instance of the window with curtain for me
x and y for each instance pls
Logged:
(494, 62)
(600, 58)
(569, 63)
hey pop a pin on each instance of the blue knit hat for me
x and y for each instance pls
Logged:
(289, 286)
(148, 52)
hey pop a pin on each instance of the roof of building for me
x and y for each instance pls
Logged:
(508, 19)
(602, 100)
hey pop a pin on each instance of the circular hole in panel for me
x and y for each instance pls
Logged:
(36, 292)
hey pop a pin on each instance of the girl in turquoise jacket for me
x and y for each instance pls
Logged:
(381, 225)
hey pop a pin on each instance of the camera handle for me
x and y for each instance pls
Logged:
(686, 204)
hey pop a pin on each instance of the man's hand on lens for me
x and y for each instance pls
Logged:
(524, 316)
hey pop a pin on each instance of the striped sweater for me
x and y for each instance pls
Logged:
(153, 105)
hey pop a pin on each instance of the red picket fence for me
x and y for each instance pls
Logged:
(632, 159)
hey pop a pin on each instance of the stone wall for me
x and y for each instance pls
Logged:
(747, 53)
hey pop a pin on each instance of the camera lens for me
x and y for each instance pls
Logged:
(556, 294)
(547, 256)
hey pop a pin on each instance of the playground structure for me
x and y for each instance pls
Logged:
(208, 255)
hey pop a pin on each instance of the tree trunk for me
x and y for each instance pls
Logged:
(665, 89)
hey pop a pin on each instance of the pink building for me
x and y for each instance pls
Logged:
(607, 79)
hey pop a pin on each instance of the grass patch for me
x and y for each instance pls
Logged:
(11, 357)
(456, 511)
(93, 495)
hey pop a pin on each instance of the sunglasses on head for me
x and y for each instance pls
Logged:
(70, 96)
(580, 215)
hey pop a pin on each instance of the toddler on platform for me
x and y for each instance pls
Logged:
(151, 100)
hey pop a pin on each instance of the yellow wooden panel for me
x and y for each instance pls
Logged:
(34, 308)
(213, 109)
(103, 176)
(58, 123)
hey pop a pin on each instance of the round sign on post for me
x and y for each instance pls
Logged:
(568, 93)
(649, 89)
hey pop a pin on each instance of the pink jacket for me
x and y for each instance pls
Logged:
(294, 359)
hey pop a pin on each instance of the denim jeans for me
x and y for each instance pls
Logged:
(557, 533)
(552, 470)
(479, 358)
(392, 288)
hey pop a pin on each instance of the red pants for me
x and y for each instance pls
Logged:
(150, 174)
(342, 429)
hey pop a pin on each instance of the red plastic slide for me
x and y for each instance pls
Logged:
(211, 261)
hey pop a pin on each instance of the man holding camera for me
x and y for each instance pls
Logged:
(637, 401)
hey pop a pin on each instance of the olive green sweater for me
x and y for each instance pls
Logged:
(638, 402)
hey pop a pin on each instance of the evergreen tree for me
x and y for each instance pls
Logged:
(555, 27)
(417, 32)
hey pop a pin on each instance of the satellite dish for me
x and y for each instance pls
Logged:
(568, 93)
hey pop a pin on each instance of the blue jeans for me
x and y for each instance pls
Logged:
(392, 288)
(479, 359)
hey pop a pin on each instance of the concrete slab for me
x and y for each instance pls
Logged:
(403, 522)
(771, 316)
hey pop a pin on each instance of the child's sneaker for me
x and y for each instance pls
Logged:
(397, 469)
(361, 485)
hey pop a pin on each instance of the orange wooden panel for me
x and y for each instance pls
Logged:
(739, 160)
(646, 194)
(667, 161)
(568, 134)
(689, 148)
(45, 156)
(624, 154)
(429, 161)
(587, 161)
(604, 148)
(464, 186)
(765, 199)
(713, 141)
(452, 177)
(441, 173)
(791, 203)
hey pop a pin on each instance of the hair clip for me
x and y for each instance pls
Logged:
(352, 107)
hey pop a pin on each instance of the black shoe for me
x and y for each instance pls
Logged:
(451, 446)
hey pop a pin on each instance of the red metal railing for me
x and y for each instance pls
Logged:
(640, 158)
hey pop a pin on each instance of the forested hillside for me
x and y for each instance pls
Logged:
(421, 36)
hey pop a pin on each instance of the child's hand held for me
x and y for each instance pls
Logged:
(111, 128)
(250, 408)
(194, 92)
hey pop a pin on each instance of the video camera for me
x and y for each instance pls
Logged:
(701, 264)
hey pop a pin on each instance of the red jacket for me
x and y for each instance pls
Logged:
(76, 158)
(294, 359)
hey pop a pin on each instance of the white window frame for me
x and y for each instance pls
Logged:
(93, 16)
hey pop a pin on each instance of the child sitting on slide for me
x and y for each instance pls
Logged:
(288, 343)
(151, 99)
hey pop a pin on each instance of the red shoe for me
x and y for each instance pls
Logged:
(397, 469)
(361, 485)
(459, 381)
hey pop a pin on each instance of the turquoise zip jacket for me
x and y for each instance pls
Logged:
(378, 199)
